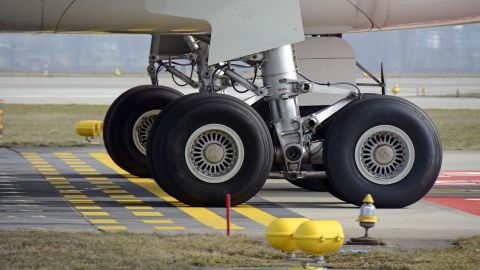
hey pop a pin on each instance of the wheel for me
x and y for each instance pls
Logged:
(384, 146)
(311, 184)
(127, 124)
(206, 145)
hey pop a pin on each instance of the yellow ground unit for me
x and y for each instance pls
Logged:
(1, 118)
(280, 233)
(319, 237)
(89, 128)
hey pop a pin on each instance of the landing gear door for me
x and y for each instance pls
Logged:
(239, 27)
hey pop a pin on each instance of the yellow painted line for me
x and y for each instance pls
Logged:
(157, 221)
(95, 214)
(255, 214)
(43, 170)
(65, 187)
(76, 196)
(82, 207)
(59, 182)
(85, 170)
(38, 162)
(36, 159)
(103, 221)
(122, 196)
(81, 201)
(63, 154)
(75, 162)
(70, 191)
(96, 178)
(139, 207)
(80, 166)
(115, 191)
(109, 187)
(201, 214)
(168, 228)
(112, 228)
(126, 201)
(43, 166)
(147, 214)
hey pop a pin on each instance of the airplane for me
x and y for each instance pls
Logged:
(201, 146)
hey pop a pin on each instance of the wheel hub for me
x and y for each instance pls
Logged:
(214, 153)
(384, 154)
(141, 128)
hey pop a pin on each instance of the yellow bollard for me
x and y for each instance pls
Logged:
(396, 89)
(89, 128)
(280, 234)
(1, 118)
(319, 237)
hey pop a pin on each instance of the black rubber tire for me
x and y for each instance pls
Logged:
(169, 136)
(119, 121)
(363, 114)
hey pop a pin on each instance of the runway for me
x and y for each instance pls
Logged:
(81, 189)
(103, 90)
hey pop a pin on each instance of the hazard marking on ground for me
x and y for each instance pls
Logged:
(469, 205)
(458, 178)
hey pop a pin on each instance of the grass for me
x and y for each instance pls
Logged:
(63, 250)
(53, 125)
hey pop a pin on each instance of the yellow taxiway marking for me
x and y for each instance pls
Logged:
(82, 207)
(109, 187)
(38, 162)
(147, 214)
(85, 170)
(65, 187)
(70, 191)
(201, 214)
(168, 228)
(103, 221)
(139, 207)
(55, 178)
(254, 214)
(75, 201)
(75, 196)
(95, 214)
(50, 173)
(115, 191)
(89, 173)
(59, 182)
(157, 221)
(83, 166)
(127, 201)
(112, 228)
(122, 196)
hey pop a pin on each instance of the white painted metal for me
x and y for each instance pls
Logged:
(325, 59)
(384, 155)
(214, 153)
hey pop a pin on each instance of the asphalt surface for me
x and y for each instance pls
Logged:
(80, 189)
(92, 90)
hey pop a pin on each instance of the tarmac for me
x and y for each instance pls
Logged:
(103, 90)
(81, 189)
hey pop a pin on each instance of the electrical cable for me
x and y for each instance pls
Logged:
(332, 84)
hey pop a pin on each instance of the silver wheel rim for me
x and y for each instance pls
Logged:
(384, 155)
(141, 128)
(214, 153)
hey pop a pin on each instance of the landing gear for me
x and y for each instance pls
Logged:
(127, 124)
(384, 146)
(204, 146)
